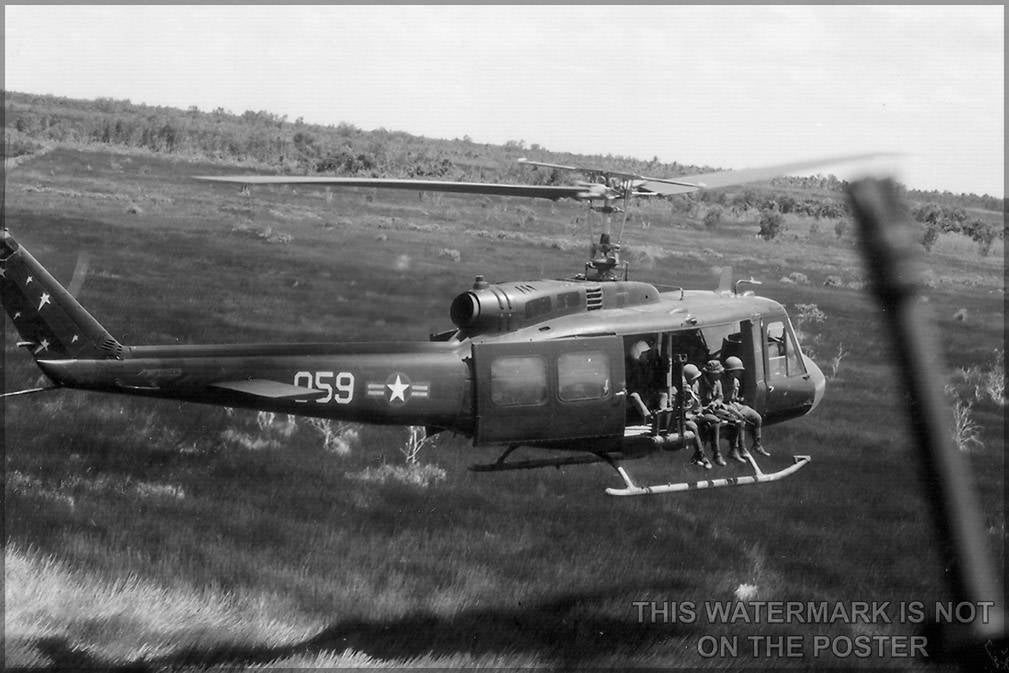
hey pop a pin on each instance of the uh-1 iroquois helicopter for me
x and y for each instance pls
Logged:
(541, 363)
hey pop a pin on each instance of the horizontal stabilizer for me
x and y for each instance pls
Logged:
(274, 390)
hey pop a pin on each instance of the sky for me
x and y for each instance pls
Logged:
(721, 86)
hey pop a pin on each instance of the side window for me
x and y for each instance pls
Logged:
(537, 307)
(583, 376)
(782, 354)
(518, 381)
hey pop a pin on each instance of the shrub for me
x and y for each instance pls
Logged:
(964, 429)
(771, 224)
(835, 362)
(930, 236)
(337, 437)
(833, 281)
(713, 217)
(983, 234)
(796, 278)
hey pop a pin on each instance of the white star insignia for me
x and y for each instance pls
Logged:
(43, 346)
(17, 315)
(3, 272)
(398, 389)
(75, 339)
(44, 300)
(28, 281)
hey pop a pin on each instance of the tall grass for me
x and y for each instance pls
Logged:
(517, 568)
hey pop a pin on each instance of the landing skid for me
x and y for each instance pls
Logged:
(758, 477)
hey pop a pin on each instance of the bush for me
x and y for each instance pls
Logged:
(796, 278)
(713, 217)
(930, 236)
(771, 224)
(833, 281)
(983, 234)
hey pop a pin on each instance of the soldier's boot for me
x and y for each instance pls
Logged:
(739, 442)
(700, 459)
(716, 455)
(759, 448)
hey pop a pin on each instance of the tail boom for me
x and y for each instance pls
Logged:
(393, 383)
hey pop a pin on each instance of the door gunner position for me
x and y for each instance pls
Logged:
(644, 381)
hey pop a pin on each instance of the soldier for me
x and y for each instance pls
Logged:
(710, 392)
(641, 380)
(734, 399)
(701, 416)
(690, 402)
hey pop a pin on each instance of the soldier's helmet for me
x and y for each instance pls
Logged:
(691, 372)
(640, 348)
(733, 364)
(713, 367)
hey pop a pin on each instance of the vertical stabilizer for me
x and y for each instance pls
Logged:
(50, 322)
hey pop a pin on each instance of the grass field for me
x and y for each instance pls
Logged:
(142, 533)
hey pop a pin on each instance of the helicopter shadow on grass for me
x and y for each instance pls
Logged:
(568, 630)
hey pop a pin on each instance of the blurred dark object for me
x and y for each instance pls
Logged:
(893, 257)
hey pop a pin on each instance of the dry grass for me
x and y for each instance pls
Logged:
(51, 607)
(531, 568)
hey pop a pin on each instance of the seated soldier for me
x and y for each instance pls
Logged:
(734, 399)
(690, 406)
(710, 392)
(702, 417)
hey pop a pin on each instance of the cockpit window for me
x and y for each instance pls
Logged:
(783, 357)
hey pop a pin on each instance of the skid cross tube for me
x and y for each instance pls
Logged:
(758, 477)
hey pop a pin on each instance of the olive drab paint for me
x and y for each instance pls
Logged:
(538, 363)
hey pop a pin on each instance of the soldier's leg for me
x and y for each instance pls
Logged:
(754, 420)
(712, 422)
(638, 404)
(738, 452)
(698, 458)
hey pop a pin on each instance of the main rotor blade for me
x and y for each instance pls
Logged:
(552, 192)
(692, 183)
(582, 169)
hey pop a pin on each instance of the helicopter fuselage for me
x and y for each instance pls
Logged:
(540, 363)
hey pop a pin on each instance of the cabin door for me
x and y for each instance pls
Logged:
(549, 390)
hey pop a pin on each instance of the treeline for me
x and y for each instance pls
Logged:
(938, 218)
(273, 142)
(934, 218)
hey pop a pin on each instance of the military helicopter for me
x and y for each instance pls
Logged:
(540, 364)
